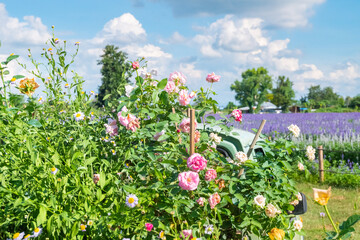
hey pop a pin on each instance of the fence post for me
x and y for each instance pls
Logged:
(321, 163)
(192, 131)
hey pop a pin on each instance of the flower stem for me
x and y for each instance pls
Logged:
(332, 222)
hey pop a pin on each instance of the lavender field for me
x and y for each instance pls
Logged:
(316, 128)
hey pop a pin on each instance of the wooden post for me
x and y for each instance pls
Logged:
(253, 143)
(188, 112)
(256, 138)
(321, 163)
(192, 131)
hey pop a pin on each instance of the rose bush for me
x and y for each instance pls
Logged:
(125, 172)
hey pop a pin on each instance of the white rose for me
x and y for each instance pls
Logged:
(295, 130)
(295, 202)
(215, 138)
(310, 153)
(241, 156)
(271, 211)
(300, 166)
(299, 197)
(260, 200)
(298, 225)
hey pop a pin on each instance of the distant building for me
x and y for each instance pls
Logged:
(266, 107)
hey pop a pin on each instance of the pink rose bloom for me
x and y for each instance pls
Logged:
(196, 162)
(135, 65)
(214, 200)
(210, 174)
(170, 87)
(184, 98)
(237, 114)
(211, 78)
(96, 178)
(192, 95)
(188, 180)
(185, 125)
(178, 78)
(186, 234)
(111, 127)
(148, 226)
(197, 136)
(201, 201)
(123, 119)
(133, 123)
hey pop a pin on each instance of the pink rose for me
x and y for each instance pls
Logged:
(130, 121)
(188, 180)
(170, 87)
(192, 95)
(178, 78)
(133, 123)
(185, 125)
(184, 98)
(210, 174)
(111, 127)
(187, 234)
(96, 178)
(196, 162)
(237, 114)
(135, 65)
(201, 201)
(211, 78)
(197, 136)
(148, 226)
(214, 200)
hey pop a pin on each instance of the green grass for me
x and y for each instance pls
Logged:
(342, 204)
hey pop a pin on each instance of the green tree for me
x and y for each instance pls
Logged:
(253, 88)
(355, 102)
(283, 93)
(323, 97)
(115, 72)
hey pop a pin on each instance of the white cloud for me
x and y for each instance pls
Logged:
(279, 13)
(349, 73)
(123, 29)
(147, 51)
(190, 72)
(310, 71)
(31, 31)
(286, 64)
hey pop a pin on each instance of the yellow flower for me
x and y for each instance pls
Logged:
(11, 54)
(13, 79)
(322, 196)
(50, 49)
(276, 234)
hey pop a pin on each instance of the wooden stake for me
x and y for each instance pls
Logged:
(192, 131)
(321, 163)
(256, 138)
(188, 112)
(253, 143)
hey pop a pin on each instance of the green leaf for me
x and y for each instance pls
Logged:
(349, 222)
(174, 117)
(107, 96)
(10, 58)
(18, 76)
(162, 83)
(41, 218)
(6, 72)
(89, 160)
(35, 123)
(102, 180)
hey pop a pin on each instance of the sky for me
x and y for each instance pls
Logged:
(313, 42)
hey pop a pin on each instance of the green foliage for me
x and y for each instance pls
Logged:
(355, 102)
(283, 94)
(115, 73)
(49, 155)
(326, 97)
(253, 88)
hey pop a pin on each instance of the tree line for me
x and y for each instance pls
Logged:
(256, 87)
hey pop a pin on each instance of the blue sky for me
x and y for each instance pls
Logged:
(310, 41)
